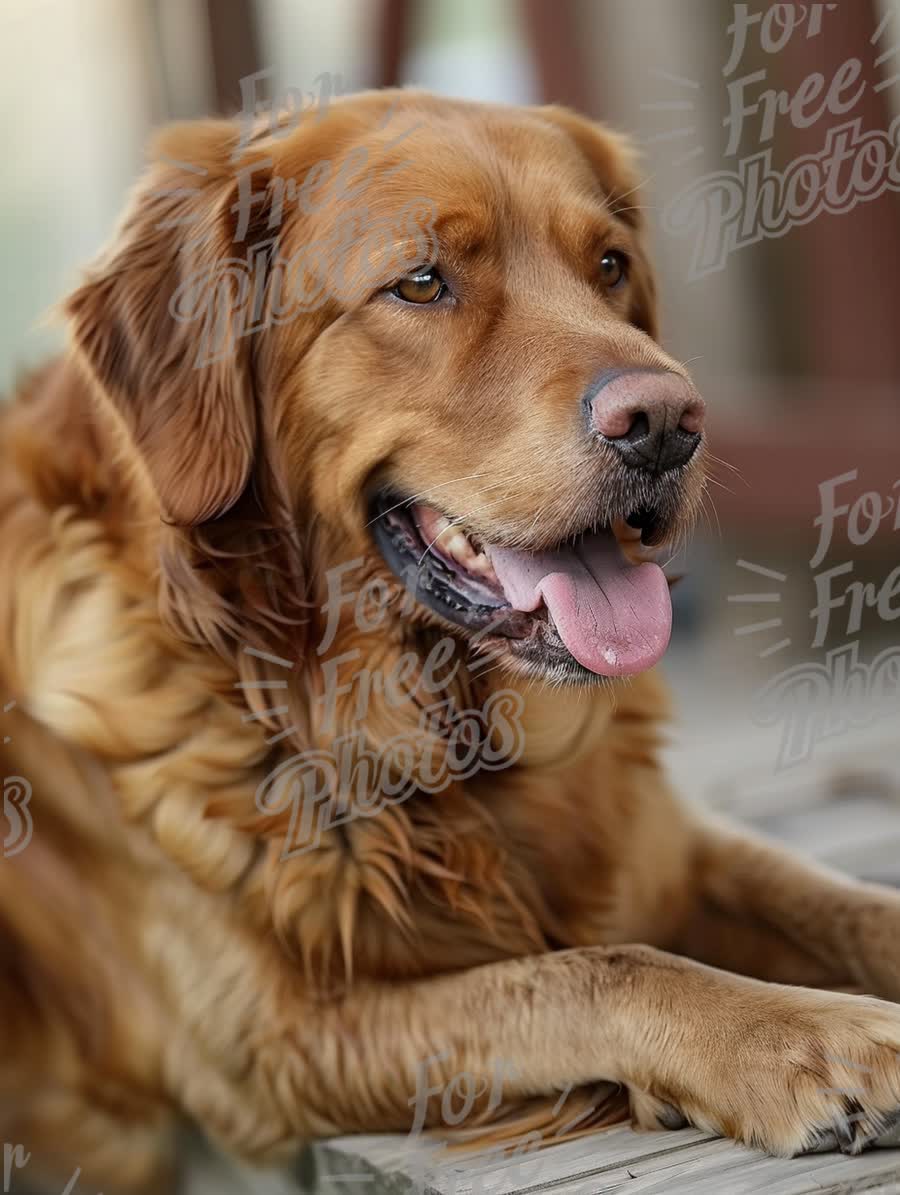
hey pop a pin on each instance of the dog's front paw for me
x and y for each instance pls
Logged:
(796, 1072)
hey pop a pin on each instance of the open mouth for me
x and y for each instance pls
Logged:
(579, 611)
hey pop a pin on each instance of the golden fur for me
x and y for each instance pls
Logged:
(162, 960)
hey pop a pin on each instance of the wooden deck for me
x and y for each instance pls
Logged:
(617, 1161)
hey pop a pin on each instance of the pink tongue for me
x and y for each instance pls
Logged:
(614, 617)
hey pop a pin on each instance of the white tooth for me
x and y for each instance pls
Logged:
(482, 566)
(457, 546)
(438, 534)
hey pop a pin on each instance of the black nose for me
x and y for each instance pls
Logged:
(654, 419)
(652, 445)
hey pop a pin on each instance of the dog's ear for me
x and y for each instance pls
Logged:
(613, 160)
(183, 392)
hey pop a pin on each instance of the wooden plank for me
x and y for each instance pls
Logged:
(849, 328)
(392, 42)
(573, 1162)
(692, 1167)
(620, 1160)
(557, 45)
(234, 48)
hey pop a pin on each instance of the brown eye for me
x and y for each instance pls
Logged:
(424, 286)
(613, 268)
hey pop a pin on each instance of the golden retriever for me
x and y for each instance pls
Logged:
(327, 619)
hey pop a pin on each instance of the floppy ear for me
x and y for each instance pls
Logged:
(613, 160)
(183, 392)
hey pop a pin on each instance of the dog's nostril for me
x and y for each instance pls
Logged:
(640, 428)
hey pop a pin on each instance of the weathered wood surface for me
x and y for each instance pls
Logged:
(617, 1161)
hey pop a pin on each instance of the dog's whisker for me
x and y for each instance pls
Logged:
(487, 671)
(707, 505)
(718, 460)
(482, 670)
(638, 207)
(424, 493)
(721, 484)
(637, 187)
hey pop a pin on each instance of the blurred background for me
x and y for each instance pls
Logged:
(793, 337)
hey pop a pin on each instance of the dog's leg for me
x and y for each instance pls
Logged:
(774, 914)
(783, 1068)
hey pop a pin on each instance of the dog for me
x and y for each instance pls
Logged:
(297, 485)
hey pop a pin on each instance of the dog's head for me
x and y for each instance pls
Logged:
(422, 332)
